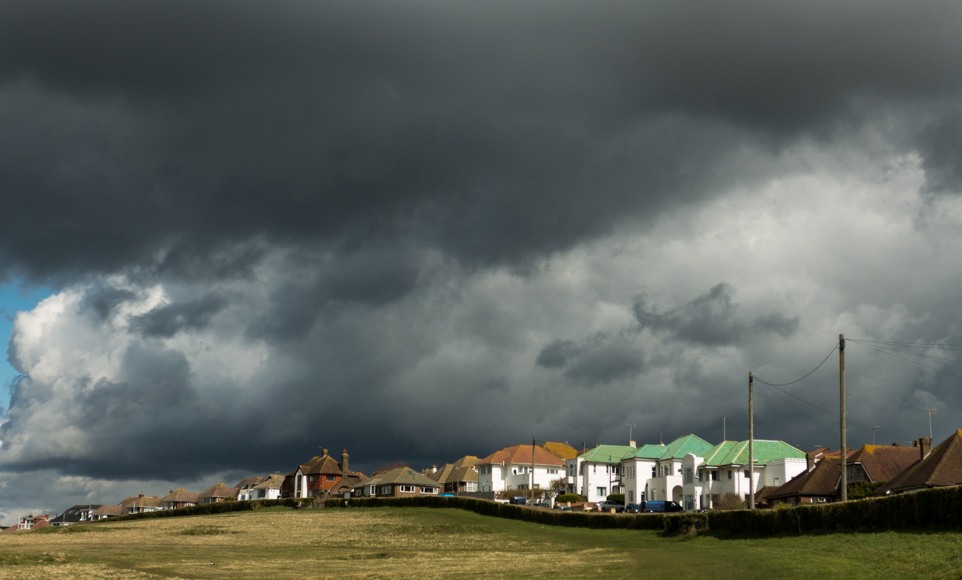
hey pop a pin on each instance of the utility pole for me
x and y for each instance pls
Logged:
(751, 443)
(533, 445)
(874, 429)
(930, 412)
(841, 395)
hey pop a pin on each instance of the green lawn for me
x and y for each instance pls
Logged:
(447, 543)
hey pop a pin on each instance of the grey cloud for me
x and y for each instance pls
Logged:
(557, 354)
(166, 321)
(941, 148)
(606, 364)
(180, 129)
(711, 319)
(102, 300)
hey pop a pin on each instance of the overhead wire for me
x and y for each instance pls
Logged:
(883, 351)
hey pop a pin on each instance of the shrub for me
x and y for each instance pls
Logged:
(617, 498)
(572, 497)
(731, 501)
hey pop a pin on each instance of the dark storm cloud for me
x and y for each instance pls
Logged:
(599, 359)
(493, 131)
(102, 300)
(941, 148)
(711, 319)
(168, 320)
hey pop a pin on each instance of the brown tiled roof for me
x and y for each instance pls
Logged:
(521, 454)
(460, 470)
(219, 490)
(180, 495)
(560, 450)
(323, 465)
(273, 481)
(401, 476)
(942, 467)
(762, 495)
(821, 481)
(108, 510)
(142, 501)
(882, 462)
(251, 481)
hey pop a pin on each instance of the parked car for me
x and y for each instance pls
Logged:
(633, 508)
(607, 506)
(542, 504)
(563, 508)
(518, 500)
(660, 507)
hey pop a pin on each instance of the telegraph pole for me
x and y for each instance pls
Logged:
(841, 394)
(751, 443)
(533, 445)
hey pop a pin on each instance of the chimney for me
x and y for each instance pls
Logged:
(141, 495)
(896, 445)
(925, 446)
(632, 444)
(323, 452)
(344, 458)
(171, 490)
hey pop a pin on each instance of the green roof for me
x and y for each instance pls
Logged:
(732, 453)
(608, 453)
(684, 445)
(650, 451)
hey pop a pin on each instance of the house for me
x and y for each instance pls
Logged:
(179, 498)
(399, 482)
(216, 494)
(650, 476)
(515, 467)
(941, 466)
(244, 486)
(318, 476)
(819, 485)
(724, 469)
(107, 511)
(142, 504)
(267, 488)
(34, 521)
(597, 472)
(638, 469)
(75, 515)
(460, 476)
(875, 465)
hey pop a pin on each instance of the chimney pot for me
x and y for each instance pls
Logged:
(323, 452)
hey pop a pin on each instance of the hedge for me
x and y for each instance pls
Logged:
(933, 508)
(215, 508)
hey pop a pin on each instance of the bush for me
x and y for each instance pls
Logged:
(731, 501)
(617, 498)
(572, 497)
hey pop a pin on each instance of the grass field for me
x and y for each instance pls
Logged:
(445, 543)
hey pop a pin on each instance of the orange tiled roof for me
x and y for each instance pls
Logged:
(521, 454)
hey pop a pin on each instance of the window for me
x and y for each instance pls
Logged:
(602, 492)
(653, 470)
(631, 496)
(313, 478)
(331, 477)
(385, 490)
(714, 475)
(407, 489)
(689, 503)
(730, 472)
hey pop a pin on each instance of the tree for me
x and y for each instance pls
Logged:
(731, 501)
(557, 484)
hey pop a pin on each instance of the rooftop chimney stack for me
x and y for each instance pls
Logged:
(323, 452)
(925, 446)
(344, 458)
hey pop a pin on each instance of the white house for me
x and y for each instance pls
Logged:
(638, 468)
(724, 469)
(596, 473)
(667, 484)
(512, 468)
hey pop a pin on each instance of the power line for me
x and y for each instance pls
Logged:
(883, 351)
(893, 349)
(802, 413)
(804, 377)
(911, 344)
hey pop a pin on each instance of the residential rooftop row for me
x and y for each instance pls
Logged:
(689, 471)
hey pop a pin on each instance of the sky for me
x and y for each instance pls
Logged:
(236, 232)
